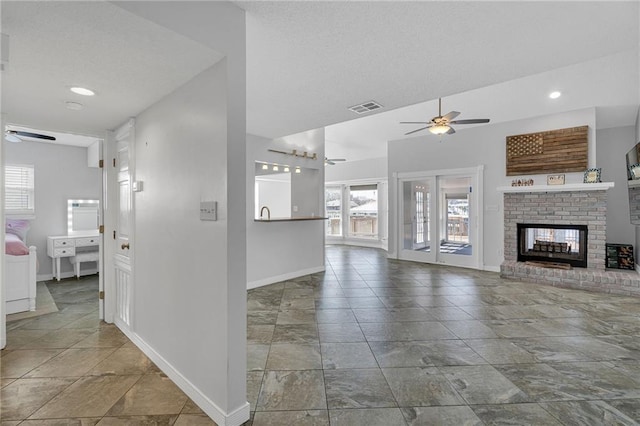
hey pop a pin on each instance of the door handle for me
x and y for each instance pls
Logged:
(124, 246)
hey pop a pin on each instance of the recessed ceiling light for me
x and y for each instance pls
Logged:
(74, 105)
(82, 91)
(555, 95)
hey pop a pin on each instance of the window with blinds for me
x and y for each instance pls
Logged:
(19, 189)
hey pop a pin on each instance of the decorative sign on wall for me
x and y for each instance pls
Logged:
(555, 151)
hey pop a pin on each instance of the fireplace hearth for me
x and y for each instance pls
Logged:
(553, 243)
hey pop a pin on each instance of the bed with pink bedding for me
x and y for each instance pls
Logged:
(20, 266)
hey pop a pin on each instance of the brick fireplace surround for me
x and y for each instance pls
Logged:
(580, 207)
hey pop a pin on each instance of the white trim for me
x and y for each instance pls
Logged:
(430, 173)
(490, 268)
(372, 243)
(235, 418)
(284, 277)
(68, 274)
(600, 186)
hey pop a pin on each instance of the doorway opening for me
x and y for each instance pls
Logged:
(438, 217)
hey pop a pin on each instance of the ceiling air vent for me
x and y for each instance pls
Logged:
(365, 107)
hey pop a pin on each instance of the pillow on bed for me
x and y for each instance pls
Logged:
(18, 227)
(14, 246)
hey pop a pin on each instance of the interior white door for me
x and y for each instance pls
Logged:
(123, 234)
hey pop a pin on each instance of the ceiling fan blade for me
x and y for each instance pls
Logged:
(450, 131)
(329, 162)
(417, 130)
(336, 159)
(470, 121)
(450, 116)
(31, 135)
(415, 122)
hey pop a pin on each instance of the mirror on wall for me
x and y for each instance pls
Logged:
(83, 217)
(286, 192)
(633, 183)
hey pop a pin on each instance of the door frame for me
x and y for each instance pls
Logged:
(110, 176)
(477, 182)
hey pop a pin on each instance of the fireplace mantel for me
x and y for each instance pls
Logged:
(570, 187)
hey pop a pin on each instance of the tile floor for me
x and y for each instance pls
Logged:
(368, 342)
(67, 368)
(379, 342)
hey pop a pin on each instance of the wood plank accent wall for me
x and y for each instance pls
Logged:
(555, 151)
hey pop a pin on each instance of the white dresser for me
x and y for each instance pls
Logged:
(67, 245)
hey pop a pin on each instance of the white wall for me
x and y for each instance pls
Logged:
(191, 295)
(373, 168)
(468, 148)
(283, 250)
(613, 145)
(61, 173)
(637, 239)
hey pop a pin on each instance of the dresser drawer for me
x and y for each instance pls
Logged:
(63, 242)
(64, 252)
(86, 241)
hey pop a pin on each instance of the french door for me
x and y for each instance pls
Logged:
(439, 217)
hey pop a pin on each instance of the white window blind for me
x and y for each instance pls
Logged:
(19, 189)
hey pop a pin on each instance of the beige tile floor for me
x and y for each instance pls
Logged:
(68, 368)
(368, 342)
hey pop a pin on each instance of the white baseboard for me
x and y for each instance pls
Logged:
(67, 274)
(284, 277)
(490, 268)
(235, 418)
(358, 243)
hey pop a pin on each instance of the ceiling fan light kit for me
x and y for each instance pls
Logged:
(441, 124)
(439, 129)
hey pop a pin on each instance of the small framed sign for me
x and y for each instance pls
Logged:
(555, 179)
(592, 175)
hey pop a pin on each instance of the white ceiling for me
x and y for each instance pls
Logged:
(306, 61)
(610, 84)
(130, 63)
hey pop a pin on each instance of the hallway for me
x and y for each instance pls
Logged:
(70, 367)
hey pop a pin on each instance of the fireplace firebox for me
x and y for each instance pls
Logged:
(553, 243)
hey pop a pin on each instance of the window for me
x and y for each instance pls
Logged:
(333, 207)
(363, 211)
(19, 190)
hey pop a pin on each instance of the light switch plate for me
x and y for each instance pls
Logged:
(137, 186)
(208, 210)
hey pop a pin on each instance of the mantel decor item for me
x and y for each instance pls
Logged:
(592, 175)
(555, 180)
(553, 151)
(522, 182)
(635, 171)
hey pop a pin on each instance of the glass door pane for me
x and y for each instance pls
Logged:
(455, 224)
(333, 210)
(416, 216)
(363, 211)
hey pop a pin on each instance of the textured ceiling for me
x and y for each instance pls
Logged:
(308, 61)
(582, 86)
(130, 63)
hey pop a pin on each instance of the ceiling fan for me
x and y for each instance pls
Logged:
(332, 161)
(442, 123)
(17, 135)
